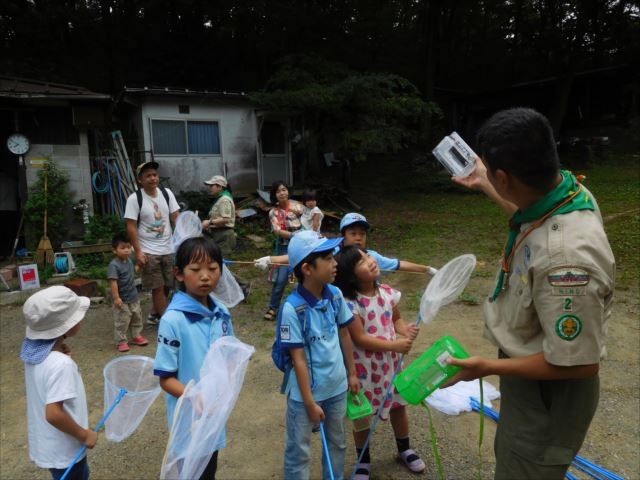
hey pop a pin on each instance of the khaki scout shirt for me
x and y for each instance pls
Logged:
(223, 207)
(559, 294)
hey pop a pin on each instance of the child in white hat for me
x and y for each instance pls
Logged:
(56, 401)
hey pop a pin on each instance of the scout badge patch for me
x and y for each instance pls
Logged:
(568, 327)
(568, 281)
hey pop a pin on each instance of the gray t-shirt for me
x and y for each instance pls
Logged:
(124, 273)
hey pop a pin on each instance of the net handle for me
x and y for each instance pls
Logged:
(115, 403)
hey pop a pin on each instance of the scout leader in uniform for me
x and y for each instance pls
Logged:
(548, 313)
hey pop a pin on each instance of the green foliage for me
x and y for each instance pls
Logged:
(102, 228)
(57, 203)
(370, 113)
(469, 299)
(46, 273)
(93, 265)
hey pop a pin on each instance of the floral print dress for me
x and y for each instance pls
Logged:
(375, 369)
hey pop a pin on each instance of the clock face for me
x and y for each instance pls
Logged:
(18, 144)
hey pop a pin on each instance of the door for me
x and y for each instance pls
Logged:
(275, 161)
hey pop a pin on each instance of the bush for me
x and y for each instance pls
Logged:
(57, 202)
(196, 200)
(103, 228)
(93, 265)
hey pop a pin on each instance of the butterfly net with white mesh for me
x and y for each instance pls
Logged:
(134, 373)
(204, 408)
(189, 225)
(446, 285)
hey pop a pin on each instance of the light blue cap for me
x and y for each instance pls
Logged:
(351, 218)
(307, 242)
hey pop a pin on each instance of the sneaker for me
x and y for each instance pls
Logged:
(123, 347)
(140, 341)
(153, 319)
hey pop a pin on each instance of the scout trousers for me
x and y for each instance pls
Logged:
(542, 425)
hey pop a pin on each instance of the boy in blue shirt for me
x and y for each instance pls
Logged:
(318, 382)
(354, 228)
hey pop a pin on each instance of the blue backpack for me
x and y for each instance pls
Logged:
(279, 354)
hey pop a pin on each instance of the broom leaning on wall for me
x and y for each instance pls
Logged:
(44, 253)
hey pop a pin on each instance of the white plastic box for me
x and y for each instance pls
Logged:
(455, 155)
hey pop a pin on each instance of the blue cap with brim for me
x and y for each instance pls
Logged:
(353, 218)
(307, 242)
(35, 351)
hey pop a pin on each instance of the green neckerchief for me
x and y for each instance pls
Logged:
(566, 188)
(224, 193)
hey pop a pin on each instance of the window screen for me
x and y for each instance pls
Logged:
(169, 137)
(204, 138)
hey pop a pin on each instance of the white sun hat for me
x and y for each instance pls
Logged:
(52, 312)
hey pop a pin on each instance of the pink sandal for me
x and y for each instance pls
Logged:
(412, 461)
(363, 471)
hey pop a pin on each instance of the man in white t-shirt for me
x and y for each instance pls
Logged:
(149, 214)
(56, 401)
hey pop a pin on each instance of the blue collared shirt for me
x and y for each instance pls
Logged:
(323, 352)
(187, 330)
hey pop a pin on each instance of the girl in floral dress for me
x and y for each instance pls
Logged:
(376, 351)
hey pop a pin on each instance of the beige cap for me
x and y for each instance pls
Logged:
(217, 180)
(52, 312)
(145, 166)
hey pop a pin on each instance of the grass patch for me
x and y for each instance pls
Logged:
(469, 299)
(427, 219)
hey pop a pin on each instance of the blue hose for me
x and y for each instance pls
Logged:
(104, 188)
(62, 264)
(111, 186)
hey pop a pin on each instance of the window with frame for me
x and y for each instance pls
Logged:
(179, 137)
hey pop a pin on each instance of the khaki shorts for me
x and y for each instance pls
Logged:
(158, 272)
(125, 319)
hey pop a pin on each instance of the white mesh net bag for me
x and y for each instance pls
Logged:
(135, 374)
(188, 225)
(227, 291)
(446, 285)
(204, 408)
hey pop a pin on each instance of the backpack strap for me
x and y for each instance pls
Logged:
(335, 299)
(300, 306)
(165, 194)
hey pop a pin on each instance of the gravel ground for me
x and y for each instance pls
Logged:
(256, 430)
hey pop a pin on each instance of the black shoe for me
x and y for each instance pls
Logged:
(246, 290)
(153, 319)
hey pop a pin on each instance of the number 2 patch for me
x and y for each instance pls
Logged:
(568, 327)
(567, 305)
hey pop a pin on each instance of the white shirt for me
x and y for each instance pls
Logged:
(307, 217)
(55, 379)
(154, 228)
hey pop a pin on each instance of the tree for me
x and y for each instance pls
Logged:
(369, 113)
